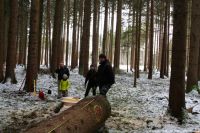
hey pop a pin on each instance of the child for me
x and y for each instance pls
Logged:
(64, 85)
(91, 79)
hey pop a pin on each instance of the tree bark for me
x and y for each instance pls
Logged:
(112, 32)
(56, 35)
(192, 75)
(164, 46)
(67, 40)
(118, 37)
(84, 57)
(105, 28)
(40, 33)
(146, 37)
(95, 34)
(151, 41)
(87, 116)
(32, 67)
(74, 43)
(177, 80)
(12, 41)
(1, 38)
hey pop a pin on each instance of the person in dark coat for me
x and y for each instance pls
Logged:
(105, 75)
(61, 71)
(91, 81)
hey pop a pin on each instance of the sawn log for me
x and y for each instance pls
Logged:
(87, 116)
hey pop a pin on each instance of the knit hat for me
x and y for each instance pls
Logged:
(65, 76)
(102, 56)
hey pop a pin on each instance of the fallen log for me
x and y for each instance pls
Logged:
(87, 116)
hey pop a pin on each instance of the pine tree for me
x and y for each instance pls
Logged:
(12, 41)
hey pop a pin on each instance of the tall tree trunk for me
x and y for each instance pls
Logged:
(40, 33)
(47, 43)
(67, 40)
(177, 80)
(146, 37)
(139, 36)
(23, 32)
(151, 41)
(133, 41)
(74, 44)
(136, 43)
(84, 57)
(164, 46)
(199, 65)
(12, 41)
(118, 37)
(112, 32)
(61, 46)
(95, 34)
(192, 75)
(105, 28)
(56, 34)
(32, 67)
(1, 38)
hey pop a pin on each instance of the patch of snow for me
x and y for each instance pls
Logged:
(141, 109)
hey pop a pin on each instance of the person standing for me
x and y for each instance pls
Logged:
(91, 81)
(64, 85)
(61, 71)
(105, 75)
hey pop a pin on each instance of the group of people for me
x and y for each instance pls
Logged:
(103, 77)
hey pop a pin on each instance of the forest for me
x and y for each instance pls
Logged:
(153, 47)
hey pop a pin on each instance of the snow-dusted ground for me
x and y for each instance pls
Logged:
(141, 109)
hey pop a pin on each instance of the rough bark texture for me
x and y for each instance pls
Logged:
(112, 33)
(74, 43)
(177, 81)
(56, 34)
(40, 33)
(199, 65)
(87, 116)
(133, 42)
(105, 28)
(67, 39)
(32, 67)
(164, 46)
(84, 51)
(146, 37)
(12, 41)
(23, 32)
(95, 34)
(1, 38)
(151, 41)
(118, 36)
(192, 75)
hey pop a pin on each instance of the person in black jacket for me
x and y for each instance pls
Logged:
(61, 71)
(105, 75)
(90, 81)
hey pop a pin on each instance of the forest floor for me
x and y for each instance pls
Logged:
(141, 109)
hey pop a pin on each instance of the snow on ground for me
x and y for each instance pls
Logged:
(141, 109)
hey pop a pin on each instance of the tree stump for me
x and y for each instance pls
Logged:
(87, 116)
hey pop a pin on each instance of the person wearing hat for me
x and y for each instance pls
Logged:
(64, 85)
(61, 71)
(90, 81)
(105, 75)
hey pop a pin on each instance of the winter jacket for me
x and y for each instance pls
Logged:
(64, 85)
(62, 71)
(105, 74)
(91, 77)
